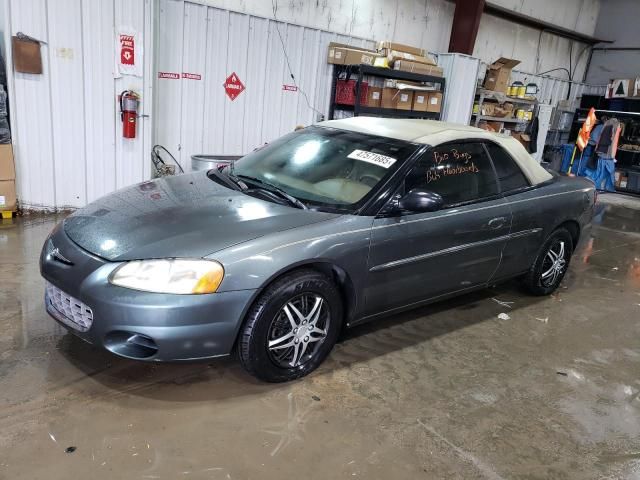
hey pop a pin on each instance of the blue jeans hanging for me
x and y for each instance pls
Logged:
(604, 173)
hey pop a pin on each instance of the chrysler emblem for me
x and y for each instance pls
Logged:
(56, 255)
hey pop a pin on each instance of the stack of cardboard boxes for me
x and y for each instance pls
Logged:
(391, 94)
(7, 180)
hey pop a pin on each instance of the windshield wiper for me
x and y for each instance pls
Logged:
(230, 182)
(271, 188)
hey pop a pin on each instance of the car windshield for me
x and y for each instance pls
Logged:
(324, 166)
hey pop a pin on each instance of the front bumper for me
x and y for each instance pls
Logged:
(142, 325)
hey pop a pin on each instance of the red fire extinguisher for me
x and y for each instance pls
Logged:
(129, 101)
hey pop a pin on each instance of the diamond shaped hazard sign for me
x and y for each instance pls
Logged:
(233, 86)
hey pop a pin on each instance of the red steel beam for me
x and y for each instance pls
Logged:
(466, 21)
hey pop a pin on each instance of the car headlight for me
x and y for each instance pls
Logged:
(180, 276)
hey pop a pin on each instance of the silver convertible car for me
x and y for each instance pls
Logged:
(330, 226)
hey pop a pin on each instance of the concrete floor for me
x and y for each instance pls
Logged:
(448, 391)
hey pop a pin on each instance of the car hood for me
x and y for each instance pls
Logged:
(183, 216)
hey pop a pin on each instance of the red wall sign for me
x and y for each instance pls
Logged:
(127, 49)
(191, 76)
(289, 88)
(233, 86)
(171, 75)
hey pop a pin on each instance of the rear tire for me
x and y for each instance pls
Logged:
(551, 264)
(291, 328)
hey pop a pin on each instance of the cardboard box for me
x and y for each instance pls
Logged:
(395, 98)
(387, 45)
(7, 168)
(415, 67)
(349, 56)
(624, 180)
(435, 102)
(498, 74)
(340, 54)
(523, 138)
(420, 101)
(405, 100)
(394, 55)
(7, 194)
(374, 96)
(331, 54)
(389, 97)
(503, 111)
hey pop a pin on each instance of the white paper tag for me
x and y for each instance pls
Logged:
(332, 53)
(338, 54)
(374, 158)
(3, 201)
(433, 100)
(420, 99)
(375, 95)
(404, 97)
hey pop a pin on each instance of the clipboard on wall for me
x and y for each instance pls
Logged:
(27, 57)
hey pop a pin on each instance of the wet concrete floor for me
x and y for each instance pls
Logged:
(447, 391)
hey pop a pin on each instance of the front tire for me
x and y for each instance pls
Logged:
(291, 328)
(550, 265)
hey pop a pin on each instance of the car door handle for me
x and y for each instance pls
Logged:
(496, 223)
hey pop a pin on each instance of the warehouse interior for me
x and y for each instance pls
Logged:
(101, 98)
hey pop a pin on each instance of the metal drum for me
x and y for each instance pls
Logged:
(207, 162)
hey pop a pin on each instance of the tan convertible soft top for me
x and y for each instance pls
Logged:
(431, 132)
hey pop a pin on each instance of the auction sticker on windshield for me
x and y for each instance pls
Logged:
(370, 157)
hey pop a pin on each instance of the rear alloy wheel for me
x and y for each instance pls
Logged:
(291, 328)
(551, 265)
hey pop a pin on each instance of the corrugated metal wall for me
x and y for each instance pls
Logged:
(196, 116)
(65, 126)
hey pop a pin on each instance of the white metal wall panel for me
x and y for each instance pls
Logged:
(215, 99)
(461, 72)
(100, 109)
(193, 63)
(168, 93)
(425, 23)
(130, 154)
(498, 37)
(67, 102)
(208, 121)
(237, 50)
(256, 92)
(30, 95)
(66, 129)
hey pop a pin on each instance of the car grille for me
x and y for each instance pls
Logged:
(69, 310)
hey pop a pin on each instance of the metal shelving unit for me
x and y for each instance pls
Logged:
(344, 72)
(483, 94)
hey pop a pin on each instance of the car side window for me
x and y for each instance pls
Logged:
(508, 171)
(459, 172)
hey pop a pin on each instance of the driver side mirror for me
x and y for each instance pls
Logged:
(419, 200)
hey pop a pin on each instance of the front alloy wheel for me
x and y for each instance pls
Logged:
(298, 331)
(291, 327)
